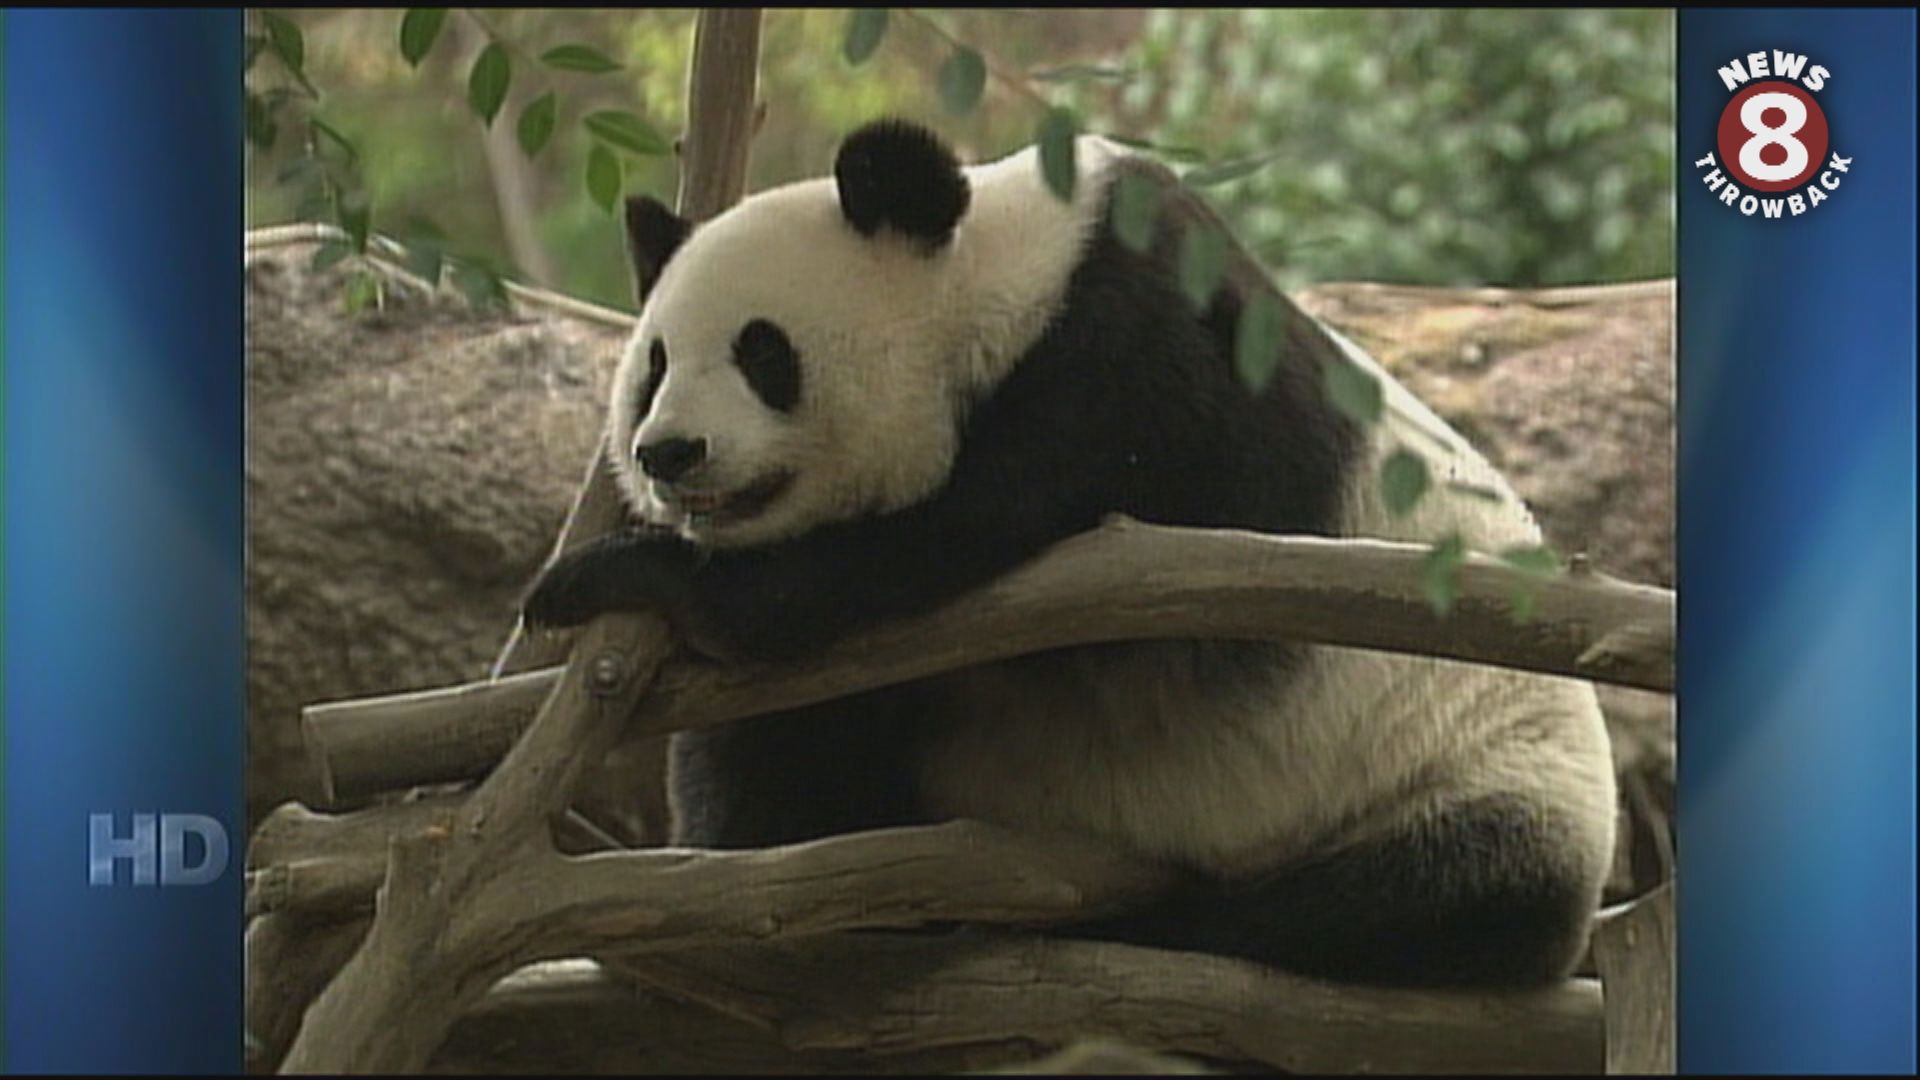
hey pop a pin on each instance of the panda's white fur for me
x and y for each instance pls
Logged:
(906, 335)
(1142, 747)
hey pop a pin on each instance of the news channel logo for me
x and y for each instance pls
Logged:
(1773, 155)
(158, 849)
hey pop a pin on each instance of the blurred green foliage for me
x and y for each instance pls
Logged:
(1444, 147)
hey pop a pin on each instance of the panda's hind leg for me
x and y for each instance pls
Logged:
(1483, 893)
(840, 766)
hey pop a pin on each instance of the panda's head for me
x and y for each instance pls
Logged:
(809, 355)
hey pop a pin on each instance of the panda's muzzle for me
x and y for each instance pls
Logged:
(725, 508)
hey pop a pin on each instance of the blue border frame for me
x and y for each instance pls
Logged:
(125, 669)
(124, 679)
(1796, 569)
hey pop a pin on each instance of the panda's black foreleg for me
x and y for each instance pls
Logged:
(630, 570)
(1474, 896)
(779, 601)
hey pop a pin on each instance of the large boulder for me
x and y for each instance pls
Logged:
(407, 472)
(1569, 392)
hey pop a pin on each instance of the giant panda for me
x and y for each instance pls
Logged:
(855, 398)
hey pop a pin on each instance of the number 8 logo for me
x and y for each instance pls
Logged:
(1773, 136)
(1753, 116)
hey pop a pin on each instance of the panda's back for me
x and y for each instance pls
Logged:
(1239, 757)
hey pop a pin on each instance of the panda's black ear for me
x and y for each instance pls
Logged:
(900, 175)
(654, 233)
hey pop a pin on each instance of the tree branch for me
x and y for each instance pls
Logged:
(722, 82)
(392, 1004)
(573, 1018)
(1635, 952)
(678, 918)
(1125, 580)
(839, 1004)
(889, 993)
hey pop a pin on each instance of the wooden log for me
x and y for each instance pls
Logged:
(572, 1018)
(1125, 580)
(420, 966)
(290, 959)
(896, 992)
(1635, 952)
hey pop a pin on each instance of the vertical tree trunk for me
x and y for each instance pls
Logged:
(512, 182)
(722, 83)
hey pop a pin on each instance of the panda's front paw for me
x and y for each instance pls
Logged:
(564, 595)
(633, 571)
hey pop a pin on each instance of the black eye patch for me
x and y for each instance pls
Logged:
(766, 358)
(656, 371)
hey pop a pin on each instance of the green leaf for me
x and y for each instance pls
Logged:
(1213, 175)
(363, 291)
(962, 78)
(255, 44)
(1136, 202)
(424, 228)
(603, 177)
(287, 40)
(1203, 258)
(627, 132)
(328, 254)
(578, 58)
(487, 82)
(302, 169)
(353, 213)
(332, 135)
(313, 206)
(865, 28)
(1534, 560)
(536, 124)
(419, 27)
(1256, 341)
(1056, 136)
(1439, 572)
(1177, 153)
(424, 259)
(1403, 480)
(261, 130)
(1073, 73)
(482, 287)
(1356, 393)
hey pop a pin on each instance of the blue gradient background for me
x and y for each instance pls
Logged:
(124, 432)
(1796, 510)
(124, 676)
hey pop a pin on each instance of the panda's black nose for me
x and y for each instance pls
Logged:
(670, 459)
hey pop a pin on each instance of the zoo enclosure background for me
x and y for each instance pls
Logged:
(1448, 147)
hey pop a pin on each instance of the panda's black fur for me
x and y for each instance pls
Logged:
(1128, 402)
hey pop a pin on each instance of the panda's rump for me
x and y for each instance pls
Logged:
(1345, 813)
(1477, 892)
